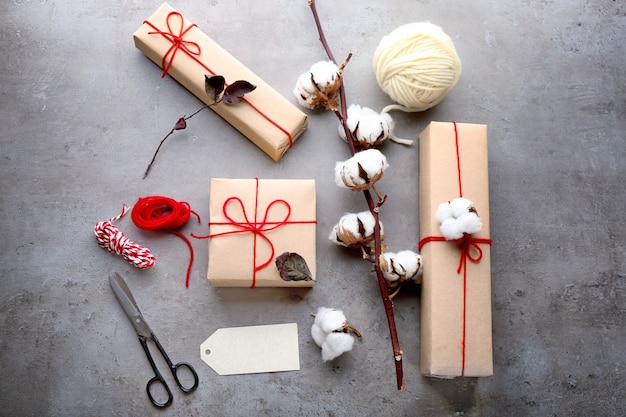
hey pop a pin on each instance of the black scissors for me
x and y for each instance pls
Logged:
(124, 296)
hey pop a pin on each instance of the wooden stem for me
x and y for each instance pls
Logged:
(374, 209)
(169, 134)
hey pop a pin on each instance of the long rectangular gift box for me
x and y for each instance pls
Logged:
(183, 51)
(455, 316)
(253, 222)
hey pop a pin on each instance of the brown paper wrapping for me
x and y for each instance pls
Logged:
(442, 298)
(265, 117)
(232, 252)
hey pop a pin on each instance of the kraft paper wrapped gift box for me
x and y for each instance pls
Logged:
(252, 221)
(183, 51)
(455, 325)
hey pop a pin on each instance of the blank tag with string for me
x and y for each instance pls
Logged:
(252, 349)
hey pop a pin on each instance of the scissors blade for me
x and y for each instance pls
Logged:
(126, 300)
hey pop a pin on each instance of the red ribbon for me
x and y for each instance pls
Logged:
(467, 244)
(259, 229)
(177, 40)
(192, 49)
(164, 213)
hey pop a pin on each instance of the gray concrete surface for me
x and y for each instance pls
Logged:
(82, 111)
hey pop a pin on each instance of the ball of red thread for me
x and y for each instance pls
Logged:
(160, 213)
(167, 214)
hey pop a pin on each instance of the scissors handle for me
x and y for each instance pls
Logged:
(188, 366)
(158, 378)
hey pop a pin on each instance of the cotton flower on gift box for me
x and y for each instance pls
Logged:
(458, 218)
(455, 311)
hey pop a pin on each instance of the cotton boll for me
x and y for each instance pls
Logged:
(320, 313)
(330, 320)
(373, 162)
(305, 90)
(388, 267)
(318, 334)
(450, 229)
(372, 127)
(336, 343)
(325, 74)
(404, 265)
(346, 232)
(352, 121)
(368, 128)
(326, 321)
(469, 223)
(340, 169)
(458, 217)
(362, 170)
(330, 331)
(319, 87)
(367, 220)
(411, 262)
(355, 230)
(444, 212)
(460, 206)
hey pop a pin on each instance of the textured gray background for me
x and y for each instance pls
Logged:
(82, 110)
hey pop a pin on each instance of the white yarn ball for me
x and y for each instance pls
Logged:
(416, 65)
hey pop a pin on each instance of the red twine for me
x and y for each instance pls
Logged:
(258, 229)
(167, 214)
(178, 43)
(465, 244)
(112, 239)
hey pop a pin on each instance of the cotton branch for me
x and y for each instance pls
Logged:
(374, 209)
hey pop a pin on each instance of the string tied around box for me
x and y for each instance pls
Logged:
(259, 224)
(458, 222)
(174, 21)
(112, 239)
(416, 65)
(159, 213)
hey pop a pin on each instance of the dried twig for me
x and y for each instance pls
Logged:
(216, 88)
(374, 209)
(180, 124)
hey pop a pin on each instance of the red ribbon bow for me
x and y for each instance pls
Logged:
(256, 227)
(177, 40)
(465, 244)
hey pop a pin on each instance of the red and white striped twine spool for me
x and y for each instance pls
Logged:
(112, 239)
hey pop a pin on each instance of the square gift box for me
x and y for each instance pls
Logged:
(455, 322)
(183, 51)
(253, 221)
